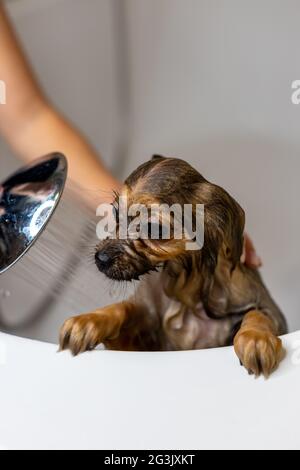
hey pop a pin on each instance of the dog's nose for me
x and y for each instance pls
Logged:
(102, 260)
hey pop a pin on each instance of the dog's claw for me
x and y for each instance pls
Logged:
(259, 351)
(82, 333)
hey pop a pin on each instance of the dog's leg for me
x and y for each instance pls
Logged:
(123, 326)
(256, 344)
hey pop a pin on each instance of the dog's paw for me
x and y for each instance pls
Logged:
(84, 332)
(260, 352)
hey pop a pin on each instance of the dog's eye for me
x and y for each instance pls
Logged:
(157, 231)
(150, 230)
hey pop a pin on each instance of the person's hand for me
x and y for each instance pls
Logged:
(249, 256)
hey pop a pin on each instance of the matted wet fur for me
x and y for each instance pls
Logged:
(185, 299)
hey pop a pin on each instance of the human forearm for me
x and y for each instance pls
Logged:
(33, 127)
(47, 131)
(24, 95)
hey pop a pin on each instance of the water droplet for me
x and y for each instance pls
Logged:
(5, 293)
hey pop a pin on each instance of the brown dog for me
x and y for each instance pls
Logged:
(196, 299)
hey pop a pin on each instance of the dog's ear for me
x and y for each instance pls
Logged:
(157, 157)
(224, 222)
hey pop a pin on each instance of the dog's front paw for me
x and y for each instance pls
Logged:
(260, 352)
(84, 332)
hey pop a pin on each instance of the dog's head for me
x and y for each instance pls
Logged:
(165, 182)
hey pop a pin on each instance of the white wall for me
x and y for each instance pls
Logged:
(207, 80)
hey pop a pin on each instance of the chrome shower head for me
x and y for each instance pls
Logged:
(28, 199)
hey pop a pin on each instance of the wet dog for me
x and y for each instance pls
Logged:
(186, 299)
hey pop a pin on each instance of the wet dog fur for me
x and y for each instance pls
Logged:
(185, 299)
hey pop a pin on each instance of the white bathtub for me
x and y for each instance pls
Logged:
(117, 400)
